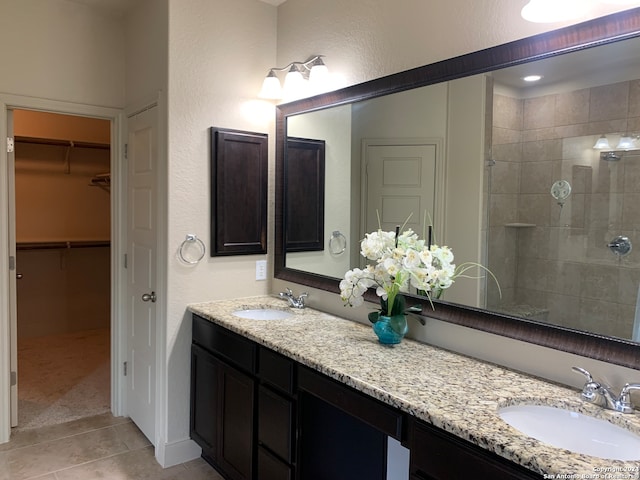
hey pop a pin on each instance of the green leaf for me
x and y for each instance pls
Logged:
(399, 306)
(398, 324)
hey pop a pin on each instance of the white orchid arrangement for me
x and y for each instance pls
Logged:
(403, 261)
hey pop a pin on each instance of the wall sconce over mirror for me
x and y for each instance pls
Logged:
(626, 143)
(302, 79)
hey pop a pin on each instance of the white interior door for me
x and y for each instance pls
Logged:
(14, 273)
(141, 253)
(400, 180)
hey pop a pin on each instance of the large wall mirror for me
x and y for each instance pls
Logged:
(506, 172)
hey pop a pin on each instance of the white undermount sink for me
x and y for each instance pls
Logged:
(573, 431)
(262, 314)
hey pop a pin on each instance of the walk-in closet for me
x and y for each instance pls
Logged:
(62, 204)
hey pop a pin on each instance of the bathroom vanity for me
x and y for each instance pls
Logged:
(314, 396)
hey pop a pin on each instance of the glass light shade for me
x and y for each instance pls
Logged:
(602, 144)
(550, 11)
(625, 143)
(271, 88)
(294, 84)
(319, 74)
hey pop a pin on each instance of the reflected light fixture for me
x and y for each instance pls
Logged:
(627, 142)
(302, 79)
(602, 143)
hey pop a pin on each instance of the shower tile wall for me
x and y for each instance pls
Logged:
(552, 261)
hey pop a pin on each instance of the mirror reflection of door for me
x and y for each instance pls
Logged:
(400, 184)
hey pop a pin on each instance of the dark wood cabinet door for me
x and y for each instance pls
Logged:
(236, 423)
(439, 455)
(272, 468)
(239, 176)
(275, 429)
(204, 389)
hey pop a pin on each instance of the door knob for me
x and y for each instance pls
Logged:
(149, 296)
(18, 276)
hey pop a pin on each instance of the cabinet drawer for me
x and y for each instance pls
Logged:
(275, 430)
(271, 468)
(277, 370)
(439, 455)
(234, 348)
(378, 415)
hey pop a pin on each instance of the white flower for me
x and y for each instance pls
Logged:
(400, 263)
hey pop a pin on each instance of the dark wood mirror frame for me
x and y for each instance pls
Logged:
(609, 29)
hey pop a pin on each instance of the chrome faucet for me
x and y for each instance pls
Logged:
(293, 301)
(595, 392)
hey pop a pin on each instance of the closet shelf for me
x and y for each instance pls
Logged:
(61, 143)
(59, 245)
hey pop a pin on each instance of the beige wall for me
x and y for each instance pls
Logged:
(63, 51)
(219, 52)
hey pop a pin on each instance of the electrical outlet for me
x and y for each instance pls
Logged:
(261, 270)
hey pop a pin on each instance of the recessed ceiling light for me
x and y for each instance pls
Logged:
(532, 78)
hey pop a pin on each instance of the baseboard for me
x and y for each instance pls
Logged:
(174, 453)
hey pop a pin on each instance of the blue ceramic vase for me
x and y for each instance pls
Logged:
(391, 330)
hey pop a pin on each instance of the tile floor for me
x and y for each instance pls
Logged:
(98, 447)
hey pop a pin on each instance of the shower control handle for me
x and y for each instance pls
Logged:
(149, 296)
(620, 246)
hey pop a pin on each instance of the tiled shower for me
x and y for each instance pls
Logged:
(551, 255)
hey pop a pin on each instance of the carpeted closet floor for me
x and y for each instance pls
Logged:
(63, 377)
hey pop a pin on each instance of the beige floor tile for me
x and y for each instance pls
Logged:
(136, 465)
(26, 462)
(203, 472)
(21, 438)
(131, 435)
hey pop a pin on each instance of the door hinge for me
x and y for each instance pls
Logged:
(9, 144)
(12, 262)
(126, 150)
(126, 259)
(14, 379)
(125, 369)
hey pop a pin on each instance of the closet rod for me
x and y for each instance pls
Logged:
(61, 143)
(60, 245)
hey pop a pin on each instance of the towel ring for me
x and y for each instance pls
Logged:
(337, 243)
(190, 240)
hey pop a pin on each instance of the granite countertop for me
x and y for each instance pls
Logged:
(456, 393)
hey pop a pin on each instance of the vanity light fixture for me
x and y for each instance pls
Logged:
(550, 11)
(302, 79)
